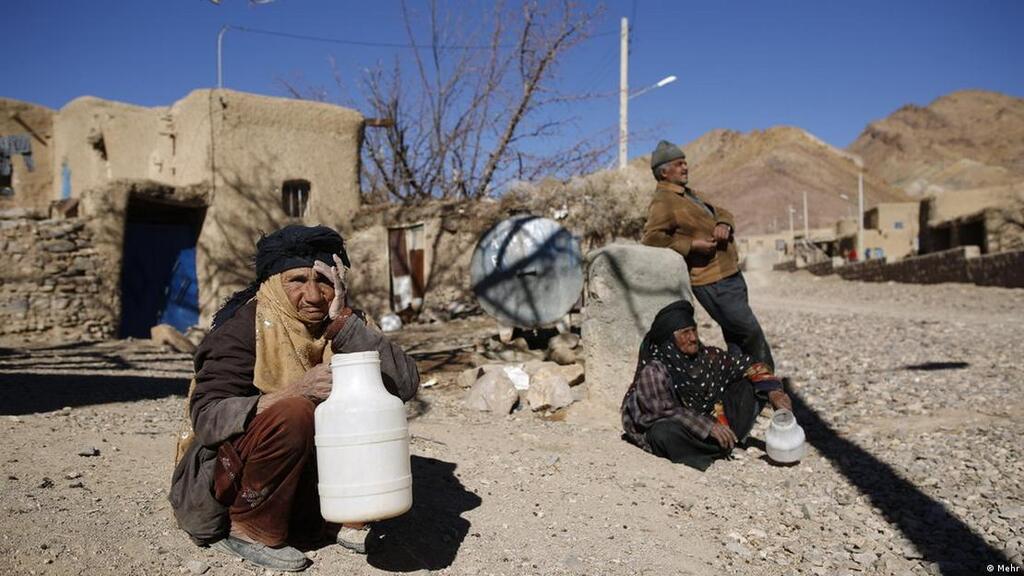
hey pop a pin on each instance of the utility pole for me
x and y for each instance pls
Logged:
(792, 235)
(623, 91)
(807, 229)
(860, 212)
(220, 45)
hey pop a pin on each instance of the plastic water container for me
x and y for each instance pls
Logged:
(362, 445)
(785, 438)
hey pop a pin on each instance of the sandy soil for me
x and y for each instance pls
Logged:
(909, 395)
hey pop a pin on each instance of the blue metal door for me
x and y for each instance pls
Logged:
(182, 294)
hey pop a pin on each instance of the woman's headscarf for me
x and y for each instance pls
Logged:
(290, 247)
(286, 344)
(691, 375)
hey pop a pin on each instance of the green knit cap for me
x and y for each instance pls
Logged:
(665, 152)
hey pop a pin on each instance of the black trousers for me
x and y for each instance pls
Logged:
(672, 440)
(726, 302)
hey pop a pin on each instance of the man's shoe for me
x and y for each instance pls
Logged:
(285, 558)
(353, 539)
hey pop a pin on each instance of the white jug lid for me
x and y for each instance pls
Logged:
(355, 358)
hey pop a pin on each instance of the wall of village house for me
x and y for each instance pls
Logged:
(53, 288)
(101, 141)
(254, 144)
(33, 190)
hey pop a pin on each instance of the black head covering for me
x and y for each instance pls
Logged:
(297, 247)
(696, 380)
(675, 316)
(293, 246)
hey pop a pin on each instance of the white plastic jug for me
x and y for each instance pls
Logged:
(362, 445)
(785, 440)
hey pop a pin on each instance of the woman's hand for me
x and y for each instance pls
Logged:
(337, 274)
(315, 385)
(780, 400)
(724, 435)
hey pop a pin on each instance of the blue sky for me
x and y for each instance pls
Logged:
(828, 67)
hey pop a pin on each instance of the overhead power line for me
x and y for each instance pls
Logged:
(378, 44)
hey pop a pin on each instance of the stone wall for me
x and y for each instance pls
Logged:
(1004, 269)
(50, 291)
(945, 266)
(962, 264)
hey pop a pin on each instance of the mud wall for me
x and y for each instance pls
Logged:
(31, 190)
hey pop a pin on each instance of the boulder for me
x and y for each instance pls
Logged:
(549, 390)
(628, 284)
(492, 392)
(561, 348)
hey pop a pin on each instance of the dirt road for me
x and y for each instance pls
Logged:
(909, 395)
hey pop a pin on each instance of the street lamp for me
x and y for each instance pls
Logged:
(624, 94)
(849, 208)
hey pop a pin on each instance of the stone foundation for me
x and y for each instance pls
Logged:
(50, 289)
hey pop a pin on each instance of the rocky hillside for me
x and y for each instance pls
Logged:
(758, 175)
(964, 140)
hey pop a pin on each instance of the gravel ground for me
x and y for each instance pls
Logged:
(908, 395)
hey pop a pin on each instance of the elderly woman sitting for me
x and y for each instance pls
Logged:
(247, 483)
(692, 403)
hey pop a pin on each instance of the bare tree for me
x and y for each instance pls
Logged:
(468, 108)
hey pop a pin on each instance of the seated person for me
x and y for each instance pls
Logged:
(247, 484)
(692, 403)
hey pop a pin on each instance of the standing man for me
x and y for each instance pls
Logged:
(681, 219)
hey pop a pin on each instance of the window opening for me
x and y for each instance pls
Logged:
(295, 197)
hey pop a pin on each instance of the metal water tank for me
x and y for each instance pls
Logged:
(527, 271)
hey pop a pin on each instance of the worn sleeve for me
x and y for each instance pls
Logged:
(759, 374)
(225, 398)
(398, 369)
(661, 230)
(656, 401)
(723, 216)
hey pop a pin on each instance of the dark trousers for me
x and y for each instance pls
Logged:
(267, 476)
(726, 302)
(672, 440)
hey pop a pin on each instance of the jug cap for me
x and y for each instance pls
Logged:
(355, 358)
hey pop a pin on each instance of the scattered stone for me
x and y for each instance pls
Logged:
(548, 391)
(492, 392)
(169, 336)
(738, 549)
(89, 452)
(46, 483)
(73, 475)
(196, 567)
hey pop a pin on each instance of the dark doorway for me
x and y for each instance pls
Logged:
(158, 273)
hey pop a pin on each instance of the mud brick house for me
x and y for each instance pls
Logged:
(158, 208)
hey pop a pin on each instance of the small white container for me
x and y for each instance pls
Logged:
(785, 440)
(362, 445)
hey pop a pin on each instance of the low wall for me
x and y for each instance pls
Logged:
(1003, 269)
(961, 264)
(823, 268)
(50, 290)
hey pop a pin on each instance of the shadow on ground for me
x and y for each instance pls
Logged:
(27, 393)
(427, 537)
(937, 534)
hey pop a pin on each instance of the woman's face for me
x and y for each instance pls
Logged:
(309, 293)
(686, 340)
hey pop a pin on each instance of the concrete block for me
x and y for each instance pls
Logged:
(627, 285)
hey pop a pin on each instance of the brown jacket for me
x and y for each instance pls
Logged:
(225, 400)
(674, 220)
